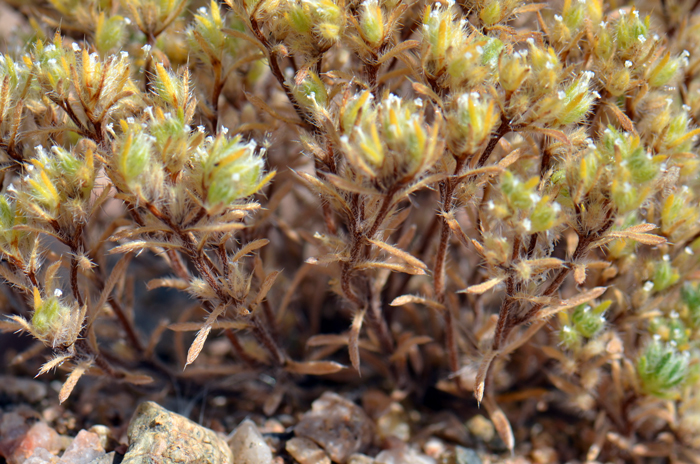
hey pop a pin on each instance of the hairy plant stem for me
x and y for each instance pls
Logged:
(206, 268)
(361, 249)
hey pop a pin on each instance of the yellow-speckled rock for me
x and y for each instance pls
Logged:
(157, 435)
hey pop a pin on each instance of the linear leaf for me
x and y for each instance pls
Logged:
(392, 250)
(483, 287)
(313, 367)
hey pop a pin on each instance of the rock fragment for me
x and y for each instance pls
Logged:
(39, 435)
(306, 451)
(403, 455)
(158, 435)
(338, 425)
(249, 446)
(84, 449)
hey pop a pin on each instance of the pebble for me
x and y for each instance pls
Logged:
(84, 449)
(403, 455)
(248, 445)
(39, 435)
(466, 456)
(358, 458)
(306, 451)
(338, 425)
(158, 435)
(41, 456)
(481, 427)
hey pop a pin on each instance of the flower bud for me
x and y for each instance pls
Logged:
(231, 170)
(372, 22)
(512, 71)
(491, 13)
(470, 124)
(50, 316)
(109, 33)
(309, 89)
(661, 369)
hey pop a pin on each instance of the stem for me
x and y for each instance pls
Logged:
(126, 324)
(447, 189)
(263, 336)
(238, 348)
(503, 129)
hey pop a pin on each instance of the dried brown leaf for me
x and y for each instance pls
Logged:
(405, 256)
(484, 286)
(581, 298)
(198, 342)
(53, 363)
(646, 239)
(500, 422)
(391, 266)
(398, 49)
(407, 299)
(313, 367)
(72, 380)
(179, 284)
(194, 326)
(354, 339)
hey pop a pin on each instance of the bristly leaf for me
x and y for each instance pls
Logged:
(313, 367)
(199, 340)
(354, 339)
(483, 287)
(72, 380)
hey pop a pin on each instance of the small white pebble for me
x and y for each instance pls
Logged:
(648, 286)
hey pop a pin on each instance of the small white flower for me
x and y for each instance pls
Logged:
(146, 48)
(200, 129)
(124, 54)
(648, 286)
(549, 65)
(224, 130)
(561, 95)
(673, 315)
(531, 41)
(603, 24)
(641, 38)
(127, 21)
(558, 18)
(75, 46)
(628, 64)
(418, 102)
(130, 120)
(236, 177)
(688, 250)
(666, 258)
(58, 293)
(479, 49)
(527, 225)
